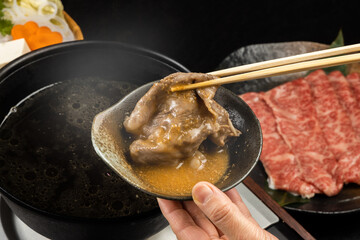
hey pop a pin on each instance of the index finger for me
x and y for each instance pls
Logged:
(180, 221)
(235, 197)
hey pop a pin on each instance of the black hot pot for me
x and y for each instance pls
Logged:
(50, 176)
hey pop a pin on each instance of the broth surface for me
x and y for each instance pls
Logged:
(47, 159)
(180, 179)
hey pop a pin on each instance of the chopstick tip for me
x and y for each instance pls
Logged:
(173, 89)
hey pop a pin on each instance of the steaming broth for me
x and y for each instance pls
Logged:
(47, 159)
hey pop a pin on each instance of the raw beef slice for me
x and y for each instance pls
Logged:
(296, 121)
(280, 164)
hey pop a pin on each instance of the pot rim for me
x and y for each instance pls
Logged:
(45, 52)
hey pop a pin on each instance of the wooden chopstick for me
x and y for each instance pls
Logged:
(276, 208)
(287, 60)
(274, 71)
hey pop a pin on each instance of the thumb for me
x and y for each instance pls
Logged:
(224, 214)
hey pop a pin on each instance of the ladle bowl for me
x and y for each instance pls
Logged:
(244, 151)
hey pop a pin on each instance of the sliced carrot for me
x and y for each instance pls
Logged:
(23, 31)
(44, 37)
(35, 36)
(31, 27)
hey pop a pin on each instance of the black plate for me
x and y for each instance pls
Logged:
(348, 200)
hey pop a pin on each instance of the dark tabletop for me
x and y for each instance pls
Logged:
(200, 34)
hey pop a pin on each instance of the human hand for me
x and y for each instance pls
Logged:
(212, 215)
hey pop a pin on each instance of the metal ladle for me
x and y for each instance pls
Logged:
(244, 151)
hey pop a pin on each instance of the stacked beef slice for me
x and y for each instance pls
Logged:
(311, 133)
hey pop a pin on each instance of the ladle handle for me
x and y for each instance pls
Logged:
(276, 208)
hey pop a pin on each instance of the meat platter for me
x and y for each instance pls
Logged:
(348, 200)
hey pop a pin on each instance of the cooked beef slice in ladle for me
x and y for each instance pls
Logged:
(170, 126)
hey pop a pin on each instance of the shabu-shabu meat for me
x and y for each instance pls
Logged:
(311, 132)
(171, 125)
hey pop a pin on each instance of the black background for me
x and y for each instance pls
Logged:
(200, 34)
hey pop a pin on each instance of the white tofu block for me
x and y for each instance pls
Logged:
(11, 50)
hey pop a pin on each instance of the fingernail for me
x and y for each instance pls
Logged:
(202, 193)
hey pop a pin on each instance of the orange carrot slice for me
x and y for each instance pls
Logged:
(24, 31)
(35, 36)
